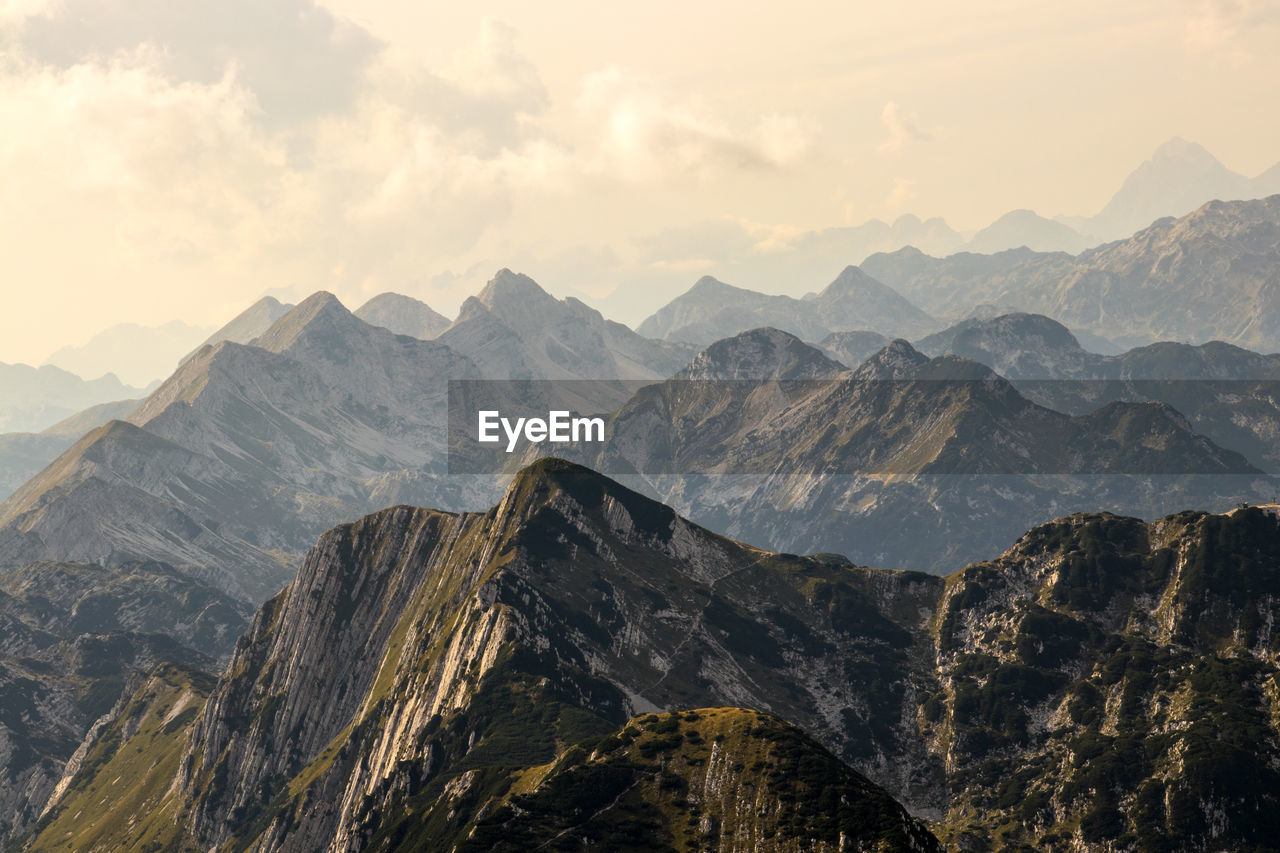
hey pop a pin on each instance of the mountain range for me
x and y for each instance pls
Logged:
(1210, 275)
(1180, 177)
(140, 355)
(1227, 393)
(32, 399)
(248, 452)
(1177, 179)
(906, 461)
(228, 620)
(581, 667)
(74, 637)
(513, 329)
(712, 310)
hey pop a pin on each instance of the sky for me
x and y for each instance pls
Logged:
(176, 159)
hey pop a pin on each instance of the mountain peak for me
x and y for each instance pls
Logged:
(897, 360)
(507, 286)
(709, 286)
(320, 313)
(403, 315)
(1180, 177)
(850, 277)
(1180, 150)
(552, 479)
(760, 354)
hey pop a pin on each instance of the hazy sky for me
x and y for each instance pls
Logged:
(175, 159)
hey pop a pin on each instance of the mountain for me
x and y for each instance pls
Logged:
(74, 426)
(1227, 393)
(25, 454)
(454, 662)
(1026, 228)
(139, 355)
(579, 666)
(906, 461)
(712, 310)
(854, 347)
(1211, 275)
(248, 324)
(34, 398)
(1032, 346)
(513, 329)
(403, 315)
(69, 599)
(756, 353)
(958, 284)
(246, 453)
(900, 412)
(1018, 346)
(1180, 177)
(74, 636)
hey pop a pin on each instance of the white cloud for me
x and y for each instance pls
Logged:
(902, 127)
(298, 58)
(1215, 24)
(644, 134)
(903, 191)
(492, 67)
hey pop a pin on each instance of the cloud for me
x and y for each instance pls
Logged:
(1215, 24)
(903, 191)
(172, 184)
(643, 134)
(493, 68)
(486, 91)
(902, 127)
(297, 58)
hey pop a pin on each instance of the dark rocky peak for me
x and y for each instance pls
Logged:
(573, 491)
